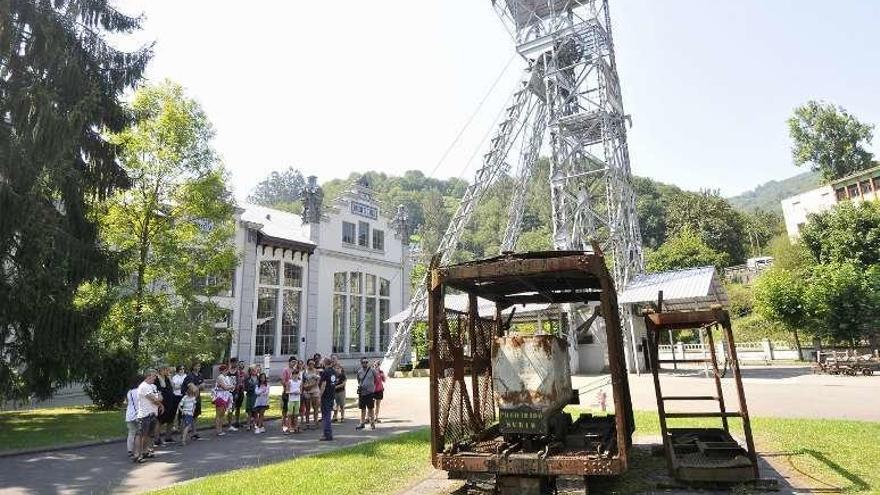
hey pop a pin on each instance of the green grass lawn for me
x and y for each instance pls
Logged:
(383, 466)
(837, 454)
(845, 455)
(64, 425)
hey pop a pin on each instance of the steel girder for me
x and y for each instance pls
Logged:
(515, 117)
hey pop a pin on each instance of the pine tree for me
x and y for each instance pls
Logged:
(60, 88)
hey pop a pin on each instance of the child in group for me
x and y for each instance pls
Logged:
(262, 403)
(186, 409)
(294, 395)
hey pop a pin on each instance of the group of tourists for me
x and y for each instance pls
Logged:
(167, 401)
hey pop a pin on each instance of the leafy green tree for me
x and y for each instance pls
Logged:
(280, 190)
(710, 217)
(790, 256)
(830, 139)
(61, 84)
(436, 220)
(843, 301)
(742, 300)
(848, 233)
(780, 296)
(652, 202)
(761, 227)
(684, 250)
(173, 230)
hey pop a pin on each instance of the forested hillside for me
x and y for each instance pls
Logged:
(767, 196)
(679, 228)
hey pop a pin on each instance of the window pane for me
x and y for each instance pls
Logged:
(370, 325)
(385, 333)
(339, 323)
(355, 282)
(269, 272)
(384, 288)
(266, 302)
(363, 234)
(876, 183)
(371, 285)
(841, 193)
(290, 317)
(339, 281)
(355, 324)
(866, 186)
(348, 232)
(292, 275)
(265, 334)
(379, 240)
(265, 343)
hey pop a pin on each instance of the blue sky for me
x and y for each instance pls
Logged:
(337, 87)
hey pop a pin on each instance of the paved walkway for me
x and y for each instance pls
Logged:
(106, 468)
(774, 391)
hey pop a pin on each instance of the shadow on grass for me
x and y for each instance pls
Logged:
(857, 483)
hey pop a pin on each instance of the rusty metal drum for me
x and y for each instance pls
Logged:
(531, 379)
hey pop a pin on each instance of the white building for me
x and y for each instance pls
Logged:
(864, 185)
(323, 281)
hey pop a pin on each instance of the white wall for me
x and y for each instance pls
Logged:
(334, 256)
(796, 208)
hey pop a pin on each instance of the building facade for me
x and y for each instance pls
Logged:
(864, 185)
(324, 281)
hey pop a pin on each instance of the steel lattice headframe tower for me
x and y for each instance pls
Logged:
(570, 95)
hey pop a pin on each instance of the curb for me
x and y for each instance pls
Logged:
(88, 443)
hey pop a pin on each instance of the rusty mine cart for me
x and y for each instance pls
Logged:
(497, 397)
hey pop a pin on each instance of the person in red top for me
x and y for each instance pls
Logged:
(380, 388)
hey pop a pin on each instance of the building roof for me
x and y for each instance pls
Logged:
(459, 302)
(859, 174)
(690, 288)
(276, 225)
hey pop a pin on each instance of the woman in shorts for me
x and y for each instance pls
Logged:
(261, 403)
(310, 394)
(221, 397)
(379, 384)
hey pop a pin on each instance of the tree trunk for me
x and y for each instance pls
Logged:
(144, 251)
(797, 345)
(139, 288)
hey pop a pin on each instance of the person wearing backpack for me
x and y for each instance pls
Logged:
(366, 379)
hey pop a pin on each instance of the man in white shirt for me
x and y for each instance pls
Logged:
(149, 402)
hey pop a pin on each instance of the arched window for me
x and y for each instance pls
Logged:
(279, 293)
(361, 303)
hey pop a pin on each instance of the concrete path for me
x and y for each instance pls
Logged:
(106, 468)
(773, 391)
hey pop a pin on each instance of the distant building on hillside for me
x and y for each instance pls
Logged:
(864, 185)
